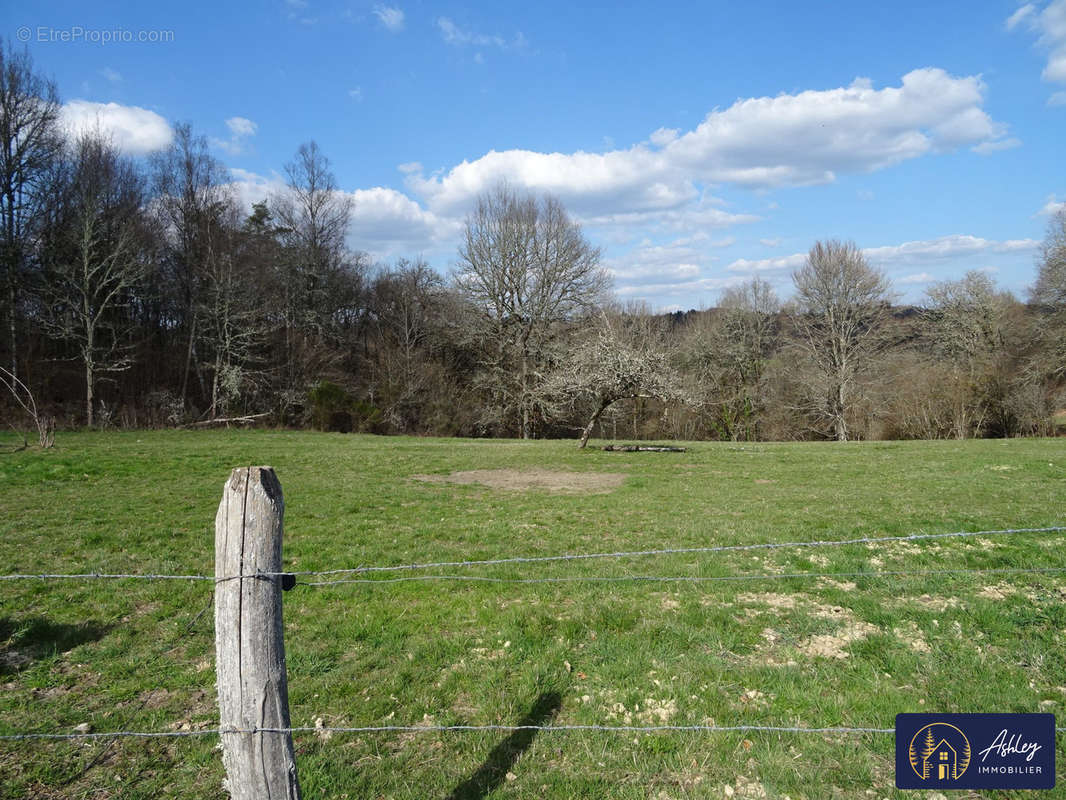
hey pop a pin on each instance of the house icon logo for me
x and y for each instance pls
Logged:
(939, 752)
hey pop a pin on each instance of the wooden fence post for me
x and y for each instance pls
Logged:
(249, 649)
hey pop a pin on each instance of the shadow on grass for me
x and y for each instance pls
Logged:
(23, 641)
(499, 762)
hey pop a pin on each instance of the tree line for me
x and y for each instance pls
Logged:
(141, 293)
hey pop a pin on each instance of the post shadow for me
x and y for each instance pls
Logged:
(23, 641)
(494, 769)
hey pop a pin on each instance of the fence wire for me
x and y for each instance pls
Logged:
(914, 537)
(691, 578)
(450, 728)
(561, 579)
(460, 729)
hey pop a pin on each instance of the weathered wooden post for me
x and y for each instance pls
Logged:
(249, 650)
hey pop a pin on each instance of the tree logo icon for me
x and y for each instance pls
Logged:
(939, 752)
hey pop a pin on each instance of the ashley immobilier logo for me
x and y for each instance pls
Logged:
(975, 751)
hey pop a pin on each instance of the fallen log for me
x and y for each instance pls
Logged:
(643, 448)
(245, 420)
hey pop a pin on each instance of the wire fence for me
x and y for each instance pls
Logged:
(860, 574)
(914, 537)
(692, 578)
(456, 728)
(318, 729)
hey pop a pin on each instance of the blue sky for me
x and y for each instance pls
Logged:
(699, 144)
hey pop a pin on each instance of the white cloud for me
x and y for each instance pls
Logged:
(945, 247)
(698, 216)
(691, 290)
(241, 126)
(787, 140)
(356, 94)
(392, 18)
(460, 37)
(1057, 99)
(1052, 207)
(987, 148)
(780, 264)
(629, 180)
(776, 242)
(387, 222)
(1048, 22)
(251, 188)
(808, 137)
(680, 259)
(112, 75)
(1022, 14)
(134, 130)
(663, 136)
(916, 278)
(384, 222)
(241, 129)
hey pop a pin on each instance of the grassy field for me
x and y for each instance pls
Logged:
(795, 651)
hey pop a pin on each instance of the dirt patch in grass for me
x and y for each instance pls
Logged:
(909, 634)
(771, 599)
(1001, 591)
(520, 480)
(827, 645)
(935, 603)
(833, 645)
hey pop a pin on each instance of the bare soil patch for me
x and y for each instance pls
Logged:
(520, 480)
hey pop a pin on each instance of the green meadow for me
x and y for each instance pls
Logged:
(835, 650)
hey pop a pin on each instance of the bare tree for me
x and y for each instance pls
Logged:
(527, 266)
(231, 307)
(968, 319)
(313, 217)
(29, 141)
(727, 351)
(404, 309)
(188, 187)
(841, 305)
(1049, 295)
(45, 424)
(608, 368)
(96, 257)
(1050, 286)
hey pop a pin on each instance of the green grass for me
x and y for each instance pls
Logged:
(135, 655)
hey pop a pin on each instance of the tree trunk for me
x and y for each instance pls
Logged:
(12, 298)
(89, 380)
(188, 360)
(837, 412)
(592, 422)
(525, 396)
(12, 259)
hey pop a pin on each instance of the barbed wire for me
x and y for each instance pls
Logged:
(447, 728)
(685, 578)
(544, 559)
(460, 728)
(677, 551)
(109, 576)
